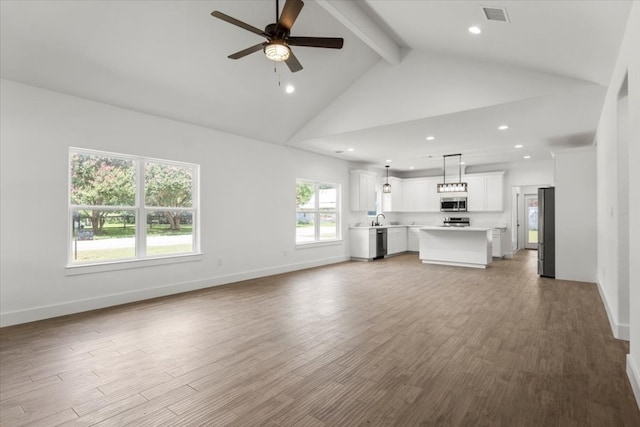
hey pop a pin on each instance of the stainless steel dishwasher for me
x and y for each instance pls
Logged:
(381, 242)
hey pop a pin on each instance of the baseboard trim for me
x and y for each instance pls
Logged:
(79, 306)
(620, 331)
(634, 378)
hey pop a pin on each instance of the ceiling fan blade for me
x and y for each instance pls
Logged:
(238, 23)
(289, 14)
(247, 51)
(328, 42)
(293, 63)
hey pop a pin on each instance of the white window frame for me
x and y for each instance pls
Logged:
(317, 212)
(141, 259)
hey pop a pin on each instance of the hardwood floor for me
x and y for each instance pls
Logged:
(393, 342)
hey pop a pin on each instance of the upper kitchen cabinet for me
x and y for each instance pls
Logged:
(393, 202)
(363, 190)
(412, 195)
(416, 195)
(433, 204)
(485, 192)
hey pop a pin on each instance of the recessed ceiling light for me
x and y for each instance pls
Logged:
(289, 89)
(526, 157)
(518, 146)
(475, 30)
(411, 167)
(350, 149)
(431, 138)
(503, 127)
(388, 161)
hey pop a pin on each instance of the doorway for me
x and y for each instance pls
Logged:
(531, 221)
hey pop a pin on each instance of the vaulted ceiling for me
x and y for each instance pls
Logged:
(408, 70)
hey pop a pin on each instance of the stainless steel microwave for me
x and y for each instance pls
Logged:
(453, 204)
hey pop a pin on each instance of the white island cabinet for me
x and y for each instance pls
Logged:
(459, 246)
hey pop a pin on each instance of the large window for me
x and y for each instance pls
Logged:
(127, 208)
(317, 212)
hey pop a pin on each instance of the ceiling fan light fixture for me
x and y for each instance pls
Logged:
(277, 51)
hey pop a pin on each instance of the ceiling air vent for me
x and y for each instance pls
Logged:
(495, 14)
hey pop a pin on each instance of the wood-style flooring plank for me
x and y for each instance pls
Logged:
(392, 342)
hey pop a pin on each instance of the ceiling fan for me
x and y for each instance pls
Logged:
(278, 41)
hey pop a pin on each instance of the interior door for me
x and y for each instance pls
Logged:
(531, 219)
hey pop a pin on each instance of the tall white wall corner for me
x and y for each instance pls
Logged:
(634, 378)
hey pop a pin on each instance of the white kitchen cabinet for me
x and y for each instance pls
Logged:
(500, 242)
(415, 195)
(494, 191)
(484, 192)
(392, 202)
(413, 239)
(476, 193)
(433, 197)
(396, 240)
(496, 239)
(363, 190)
(362, 243)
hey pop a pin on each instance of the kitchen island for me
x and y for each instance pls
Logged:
(458, 246)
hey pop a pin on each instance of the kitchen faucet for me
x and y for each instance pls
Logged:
(377, 217)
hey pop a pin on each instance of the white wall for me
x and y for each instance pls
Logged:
(575, 199)
(247, 209)
(613, 294)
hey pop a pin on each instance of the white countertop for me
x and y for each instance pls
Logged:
(423, 227)
(368, 227)
(438, 228)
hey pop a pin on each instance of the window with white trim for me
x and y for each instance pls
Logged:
(125, 207)
(317, 212)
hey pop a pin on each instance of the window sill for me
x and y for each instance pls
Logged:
(318, 244)
(73, 270)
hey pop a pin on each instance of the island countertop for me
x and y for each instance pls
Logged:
(455, 228)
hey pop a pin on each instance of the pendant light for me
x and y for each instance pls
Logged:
(452, 187)
(386, 188)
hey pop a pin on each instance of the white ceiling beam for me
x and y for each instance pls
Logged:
(360, 24)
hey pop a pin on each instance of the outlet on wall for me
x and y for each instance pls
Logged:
(219, 261)
(285, 253)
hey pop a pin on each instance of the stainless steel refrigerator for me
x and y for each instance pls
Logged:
(546, 232)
